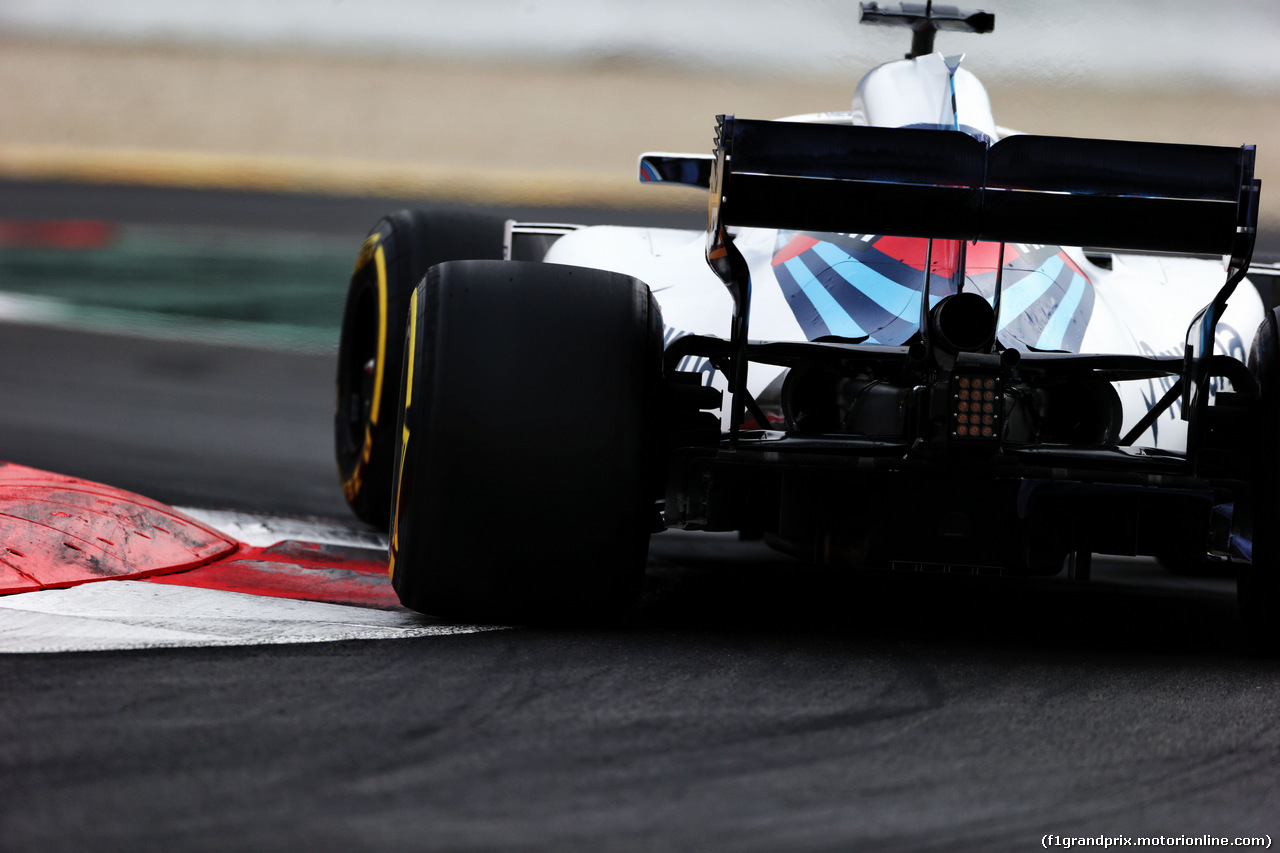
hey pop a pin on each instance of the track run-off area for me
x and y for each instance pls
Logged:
(748, 702)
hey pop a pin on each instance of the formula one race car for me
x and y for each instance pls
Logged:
(887, 349)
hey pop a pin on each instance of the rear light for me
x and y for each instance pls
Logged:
(977, 403)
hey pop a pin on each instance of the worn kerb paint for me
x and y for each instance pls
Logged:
(275, 588)
(116, 615)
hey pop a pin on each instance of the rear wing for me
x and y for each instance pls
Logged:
(947, 184)
(1192, 199)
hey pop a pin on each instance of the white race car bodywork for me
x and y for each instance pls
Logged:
(878, 353)
(1141, 304)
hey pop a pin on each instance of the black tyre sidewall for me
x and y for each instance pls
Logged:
(393, 260)
(526, 491)
(1258, 584)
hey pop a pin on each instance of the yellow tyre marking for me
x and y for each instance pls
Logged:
(366, 252)
(380, 259)
(351, 485)
(404, 435)
(371, 251)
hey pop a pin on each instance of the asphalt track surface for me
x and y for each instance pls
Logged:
(748, 703)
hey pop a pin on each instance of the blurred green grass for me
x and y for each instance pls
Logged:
(273, 290)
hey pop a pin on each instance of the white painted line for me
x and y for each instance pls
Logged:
(139, 615)
(261, 530)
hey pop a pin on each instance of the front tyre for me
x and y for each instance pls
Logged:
(525, 461)
(394, 258)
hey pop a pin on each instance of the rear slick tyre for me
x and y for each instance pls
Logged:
(525, 488)
(394, 258)
(1258, 583)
